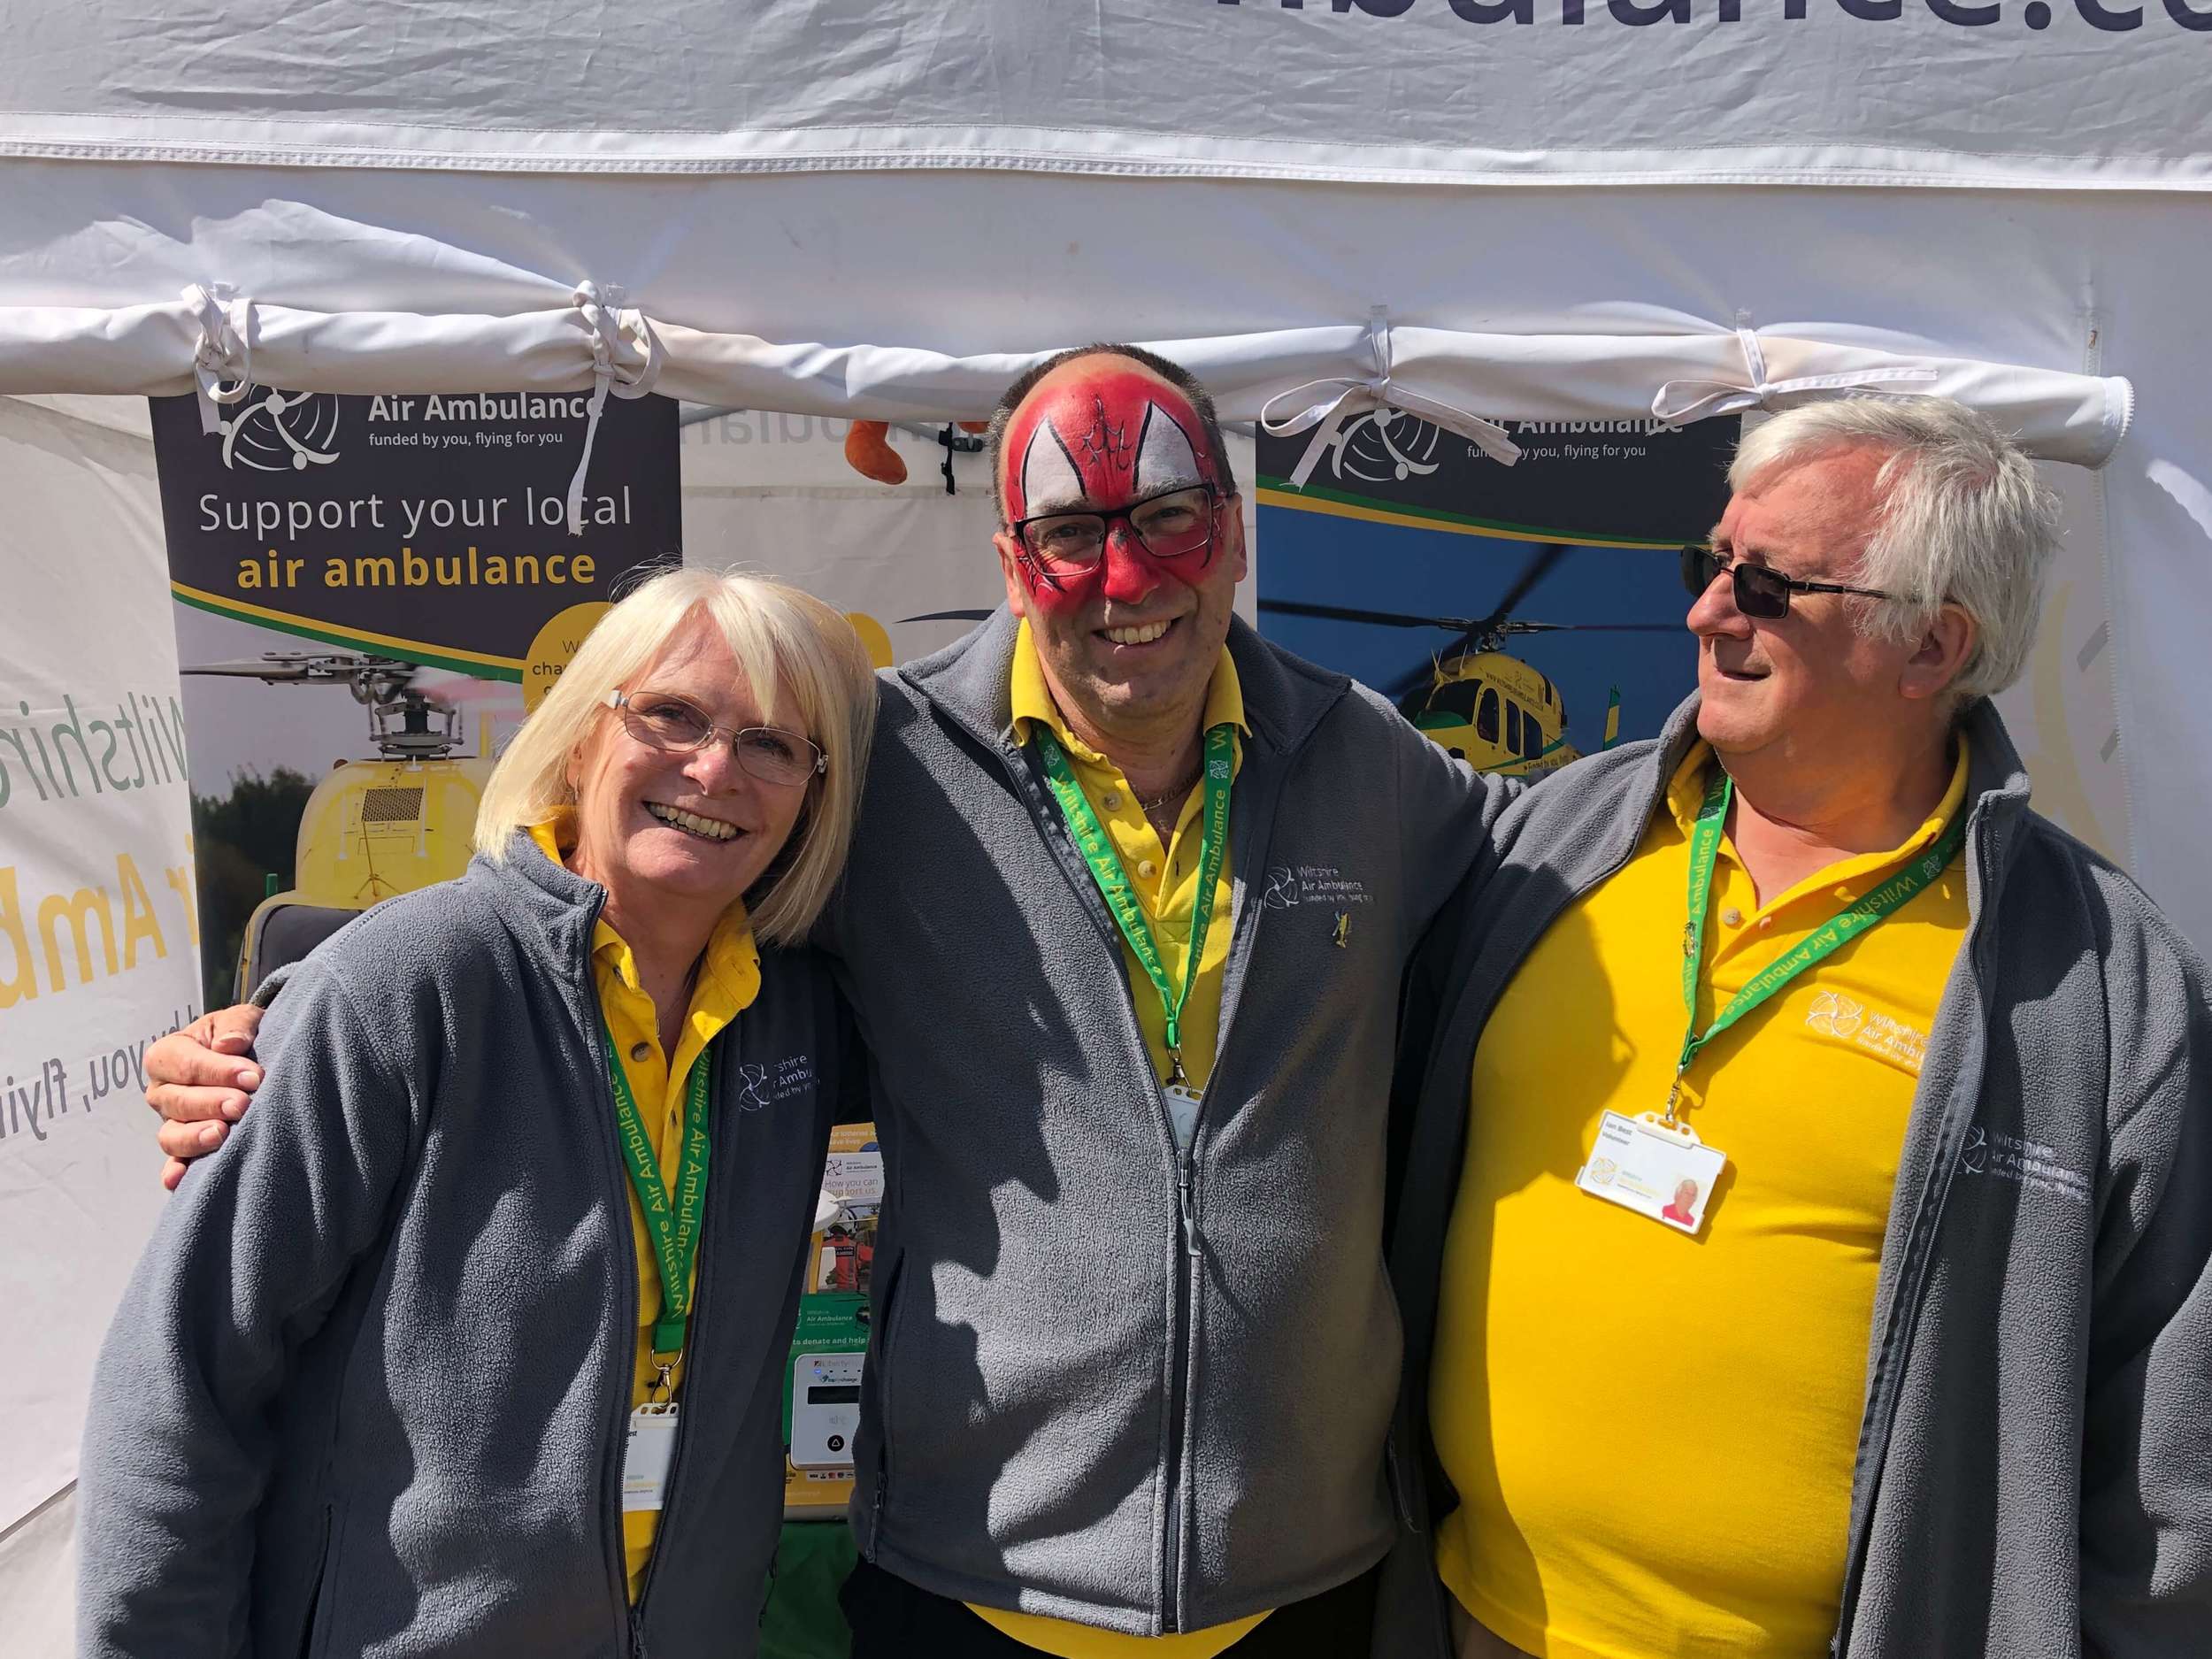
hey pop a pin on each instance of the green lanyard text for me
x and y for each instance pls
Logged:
(1113, 882)
(671, 1223)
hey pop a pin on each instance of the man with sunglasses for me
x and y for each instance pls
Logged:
(1821, 1268)
(1128, 909)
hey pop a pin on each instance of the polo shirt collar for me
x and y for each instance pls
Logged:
(1685, 795)
(1030, 704)
(1285, 698)
(732, 960)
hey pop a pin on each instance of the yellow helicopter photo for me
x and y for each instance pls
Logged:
(371, 827)
(1493, 710)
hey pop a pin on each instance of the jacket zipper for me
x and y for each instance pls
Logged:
(611, 1460)
(1190, 1244)
(626, 1300)
(1881, 1414)
(1182, 1342)
(711, 1057)
(1251, 853)
(1182, 1352)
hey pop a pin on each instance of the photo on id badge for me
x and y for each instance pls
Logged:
(1657, 1170)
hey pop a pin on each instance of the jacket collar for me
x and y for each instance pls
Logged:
(537, 898)
(971, 681)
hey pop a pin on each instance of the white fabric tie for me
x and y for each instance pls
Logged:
(1342, 400)
(222, 366)
(608, 322)
(1679, 403)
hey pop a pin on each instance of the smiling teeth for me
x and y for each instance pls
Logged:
(713, 829)
(1144, 635)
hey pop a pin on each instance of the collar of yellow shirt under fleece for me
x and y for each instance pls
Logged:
(729, 977)
(1686, 798)
(1030, 701)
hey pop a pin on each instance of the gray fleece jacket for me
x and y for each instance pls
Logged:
(1109, 1383)
(366, 1391)
(2034, 1470)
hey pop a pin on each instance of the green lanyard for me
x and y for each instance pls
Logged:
(1113, 882)
(1823, 941)
(673, 1226)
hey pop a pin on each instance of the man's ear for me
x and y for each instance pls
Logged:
(1009, 553)
(1941, 654)
(1232, 548)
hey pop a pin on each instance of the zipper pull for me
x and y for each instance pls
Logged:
(1183, 1181)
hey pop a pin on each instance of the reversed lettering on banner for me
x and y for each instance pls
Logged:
(2036, 15)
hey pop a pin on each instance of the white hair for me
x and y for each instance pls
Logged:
(784, 642)
(1964, 519)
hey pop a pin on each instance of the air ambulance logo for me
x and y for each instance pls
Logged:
(1833, 1014)
(269, 431)
(1384, 444)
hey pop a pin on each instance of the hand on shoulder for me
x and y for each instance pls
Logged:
(200, 1079)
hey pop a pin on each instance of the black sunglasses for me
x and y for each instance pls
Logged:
(1760, 592)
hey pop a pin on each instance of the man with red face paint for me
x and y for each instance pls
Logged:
(1136, 1365)
(1129, 905)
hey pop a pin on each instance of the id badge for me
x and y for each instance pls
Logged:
(1183, 1103)
(1654, 1168)
(646, 1457)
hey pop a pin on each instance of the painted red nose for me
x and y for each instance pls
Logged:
(1130, 574)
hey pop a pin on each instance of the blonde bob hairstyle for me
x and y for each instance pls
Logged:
(787, 644)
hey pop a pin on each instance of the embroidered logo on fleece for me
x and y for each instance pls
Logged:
(1289, 884)
(1994, 1155)
(761, 1086)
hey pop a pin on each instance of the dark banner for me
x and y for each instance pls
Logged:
(433, 529)
(1632, 483)
(371, 594)
(1520, 616)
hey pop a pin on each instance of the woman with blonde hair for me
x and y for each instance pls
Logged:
(473, 1340)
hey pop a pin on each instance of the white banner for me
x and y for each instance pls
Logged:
(2078, 93)
(97, 940)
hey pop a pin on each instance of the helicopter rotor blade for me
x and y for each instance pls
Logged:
(1353, 613)
(1589, 628)
(950, 616)
(273, 672)
(1538, 566)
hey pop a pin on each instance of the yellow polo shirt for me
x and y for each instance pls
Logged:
(1166, 881)
(729, 979)
(1652, 1434)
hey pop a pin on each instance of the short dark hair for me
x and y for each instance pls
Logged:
(1174, 374)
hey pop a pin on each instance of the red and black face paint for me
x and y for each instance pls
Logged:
(1100, 441)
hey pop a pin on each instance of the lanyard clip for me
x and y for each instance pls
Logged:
(664, 1387)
